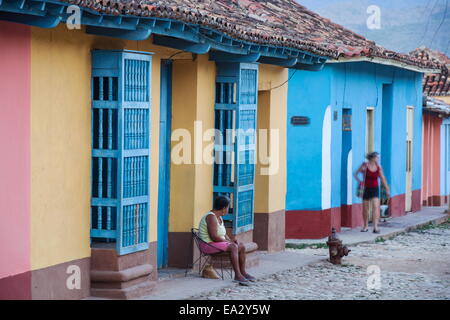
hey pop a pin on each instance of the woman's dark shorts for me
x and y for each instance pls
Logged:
(370, 193)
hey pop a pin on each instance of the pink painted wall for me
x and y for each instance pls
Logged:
(14, 149)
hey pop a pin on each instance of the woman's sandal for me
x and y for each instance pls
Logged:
(250, 278)
(242, 282)
(365, 230)
(376, 231)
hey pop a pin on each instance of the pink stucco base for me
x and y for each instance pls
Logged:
(15, 150)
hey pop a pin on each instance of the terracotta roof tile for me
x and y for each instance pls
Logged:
(274, 22)
(435, 84)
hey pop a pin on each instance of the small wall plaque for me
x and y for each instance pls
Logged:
(300, 121)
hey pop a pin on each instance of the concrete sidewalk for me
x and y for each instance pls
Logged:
(193, 285)
(389, 227)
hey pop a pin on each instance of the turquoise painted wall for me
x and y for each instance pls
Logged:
(355, 85)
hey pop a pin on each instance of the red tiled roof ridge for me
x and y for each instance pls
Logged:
(283, 23)
(435, 84)
(428, 54)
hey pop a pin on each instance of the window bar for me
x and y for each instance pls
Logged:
(100, 190)
(100, 128)
(135, 80)
(136, 70)
(141, 183)
(125, 227)
(144, 224)
(131, 181)
(131, 80)
(131, 136)
(138, 142)
(223, 154)
(110, 89)
(109, 180)
(222, 85)
(129, 168)
(140, 82)
(132, 224)
(136, 225)
(140, 129)
(143, 173)
(220, 164)
(229, 143)
(128, 178)
(130, 128)
(133, 129)
(128, 80)
(138, 176)
(133, 177)
(110, 129)
(100, 97)
(141, 223)
(147, 115)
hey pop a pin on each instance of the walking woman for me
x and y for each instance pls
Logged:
(371, 171)
(212, 231)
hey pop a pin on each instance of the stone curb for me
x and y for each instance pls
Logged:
(435, 221)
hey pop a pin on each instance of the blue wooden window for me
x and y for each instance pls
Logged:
(235, 148)
(120, 149)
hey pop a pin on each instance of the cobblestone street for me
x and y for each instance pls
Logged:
(414, 265)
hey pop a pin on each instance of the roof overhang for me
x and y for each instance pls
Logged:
(166, 32)
(387, 62)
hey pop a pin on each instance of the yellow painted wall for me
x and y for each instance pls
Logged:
(61, 141)
(270, 190)
(193, 99)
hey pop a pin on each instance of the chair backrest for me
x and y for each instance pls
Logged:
(199, 240)
(196, 237)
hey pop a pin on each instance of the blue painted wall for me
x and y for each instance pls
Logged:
(355, 85)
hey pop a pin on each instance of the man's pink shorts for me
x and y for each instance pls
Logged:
(214, 247)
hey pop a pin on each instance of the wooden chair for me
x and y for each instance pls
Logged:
(208, 257)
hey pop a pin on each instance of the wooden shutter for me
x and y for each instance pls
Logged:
(234, 169)
(121, 148)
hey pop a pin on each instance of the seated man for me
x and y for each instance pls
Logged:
(212, 231)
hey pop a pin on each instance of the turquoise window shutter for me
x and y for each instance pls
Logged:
(121, 148)
(235, 148)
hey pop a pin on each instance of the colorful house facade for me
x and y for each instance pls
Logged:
(110, 160)
(115, 134)
(436, 90)
(436, 130)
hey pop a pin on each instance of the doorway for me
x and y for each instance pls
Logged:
(386, 130)
(346, 158)
(370, 140)
(409, 156)
(164, 162)
(370, 130)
